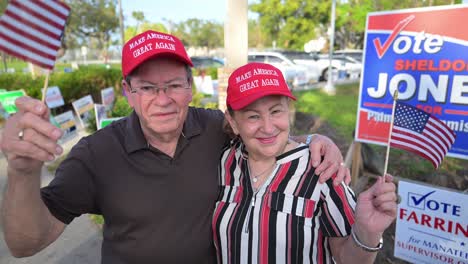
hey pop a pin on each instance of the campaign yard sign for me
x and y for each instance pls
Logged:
(204, 84)
(7, 101)
(422, 53)
(107, 121)
(100, 113)
(54, 97)
(83, 108)
(432, 224)
(108, 97)
(66, 122)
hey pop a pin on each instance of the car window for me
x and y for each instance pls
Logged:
(272, 59)
(206, 62)
(256, 58)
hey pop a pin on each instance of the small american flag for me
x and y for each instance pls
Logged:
(421, 133)
(32, 29)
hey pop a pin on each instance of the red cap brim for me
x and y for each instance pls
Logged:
(245, 101)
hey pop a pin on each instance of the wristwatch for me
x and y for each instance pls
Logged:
(364, 247)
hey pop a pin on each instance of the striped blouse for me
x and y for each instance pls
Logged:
(288, 220)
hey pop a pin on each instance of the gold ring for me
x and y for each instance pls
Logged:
(21, 134)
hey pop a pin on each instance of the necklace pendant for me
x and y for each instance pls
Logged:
(254, 179)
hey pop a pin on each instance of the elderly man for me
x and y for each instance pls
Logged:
(152, 175)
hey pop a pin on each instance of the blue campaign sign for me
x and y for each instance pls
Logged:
(422, 53)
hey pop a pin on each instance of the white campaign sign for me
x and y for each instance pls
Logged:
(204, 84)
(432, 225)
(54, 97)
(108, 97)
(66, 122)
(82, 107)
(100, 112)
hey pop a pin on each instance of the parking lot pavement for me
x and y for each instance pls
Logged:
(80, 243)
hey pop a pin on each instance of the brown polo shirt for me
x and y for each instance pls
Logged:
(157, 209)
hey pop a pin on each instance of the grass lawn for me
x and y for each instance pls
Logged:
(339, 110)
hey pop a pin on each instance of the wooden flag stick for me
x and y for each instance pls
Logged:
(395, 97)
(46, 84)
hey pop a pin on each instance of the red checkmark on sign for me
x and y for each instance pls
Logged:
(396, 30)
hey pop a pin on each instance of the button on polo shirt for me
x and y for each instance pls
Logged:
(157, 209)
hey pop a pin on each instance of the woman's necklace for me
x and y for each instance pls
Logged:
(255, 178)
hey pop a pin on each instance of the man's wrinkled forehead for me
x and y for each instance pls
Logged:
(160, 60)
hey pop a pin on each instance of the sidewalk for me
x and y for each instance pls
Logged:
(80, 243)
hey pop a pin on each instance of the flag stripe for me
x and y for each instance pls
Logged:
(37, 13)
(408, 136)
(21, 17)
(445, 134)
(421, 133)
(439, 154)
(19, 46)
(25, 54)
(416, 150)
(41, 47)
(407, 141)
(59, 6)
(38, 61)
(28, 38)
(33, 28)
(432, 135)
(443, 127)
(59, 14)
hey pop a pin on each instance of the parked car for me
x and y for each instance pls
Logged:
(352, 66)
(295, 75)
(353, 53)
(203, 62)
(342, 66)
(307, 60)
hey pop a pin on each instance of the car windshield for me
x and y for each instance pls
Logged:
(299, 55)
(356, 55)
(206, 62)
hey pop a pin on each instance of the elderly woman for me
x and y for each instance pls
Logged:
(271, 207)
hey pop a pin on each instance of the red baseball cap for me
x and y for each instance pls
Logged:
(150, 44)
(254, 81)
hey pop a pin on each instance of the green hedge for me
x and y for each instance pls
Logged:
(73, 85)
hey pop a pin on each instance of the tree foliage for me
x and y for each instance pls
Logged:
(131, 31)
(3, 5)
(199, 32)
(258, 38)
(292, 23)
(91, 23)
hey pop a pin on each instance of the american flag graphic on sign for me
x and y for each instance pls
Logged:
(421, 133)
(32, 29)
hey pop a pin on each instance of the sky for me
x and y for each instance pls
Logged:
(175, 10)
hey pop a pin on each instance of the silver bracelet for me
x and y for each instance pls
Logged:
(366, 248)
(309, 139)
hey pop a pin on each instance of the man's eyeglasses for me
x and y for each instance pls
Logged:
(170, 89)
